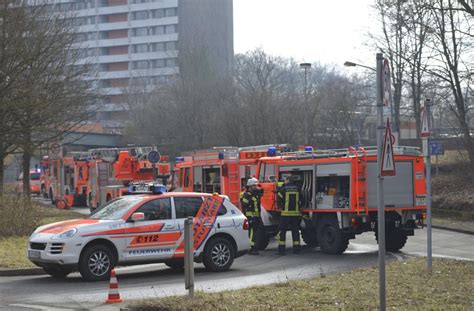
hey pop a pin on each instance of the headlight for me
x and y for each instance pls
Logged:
(65, 235)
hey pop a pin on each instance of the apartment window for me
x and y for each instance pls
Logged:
(140, 15)
(138, 32)
(139, 1)
(104, 67)
(158, 30)
(158, 13)
(140, 64)
(79, 21)
(91, 36)
(170, 12)
(170, 46)
(80, 5)
(81, 36)
(170, 29)
(104, 35)
(158, 63)
(140, 48)
(171, 62)
(91, 20)
(158, 47)
(104, 51)
(105, 83)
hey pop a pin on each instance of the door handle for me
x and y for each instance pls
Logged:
(169, 226)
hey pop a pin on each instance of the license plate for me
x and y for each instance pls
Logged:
(34, 254)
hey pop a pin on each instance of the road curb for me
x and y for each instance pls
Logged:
(453, 229)
(21, 271)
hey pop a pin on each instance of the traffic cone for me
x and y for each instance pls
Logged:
(114, 296)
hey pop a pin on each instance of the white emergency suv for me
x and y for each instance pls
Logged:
(139, 229)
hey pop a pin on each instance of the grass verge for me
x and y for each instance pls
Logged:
(13, 247)
(409, 287)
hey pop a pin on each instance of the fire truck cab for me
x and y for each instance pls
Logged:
(338, 195)
(223, 170)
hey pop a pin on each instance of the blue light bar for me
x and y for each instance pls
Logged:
(308, 149)
(178, 159)
(271, 152)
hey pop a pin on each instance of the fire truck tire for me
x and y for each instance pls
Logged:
(96, 263)
(176, 264)
(262, 240)
(310, 237)
(57, 272)
(331, 239)
(219, 255)
(395, 239)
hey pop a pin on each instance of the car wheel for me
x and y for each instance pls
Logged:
(219, 255)
(96, 263)
(57, 272)
(175, 264)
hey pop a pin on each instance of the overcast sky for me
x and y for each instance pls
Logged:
(307, 30)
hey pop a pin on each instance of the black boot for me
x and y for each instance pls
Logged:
(296, 249)
(253, 251)
(281, 250)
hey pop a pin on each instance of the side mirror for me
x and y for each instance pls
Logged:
(138, 217)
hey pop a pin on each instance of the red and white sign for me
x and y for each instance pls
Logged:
(425, 124)
(388, 159)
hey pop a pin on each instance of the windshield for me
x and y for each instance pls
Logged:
(34, 176)
(115, 209)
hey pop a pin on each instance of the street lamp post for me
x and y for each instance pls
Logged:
(380, 198)
(305, 66)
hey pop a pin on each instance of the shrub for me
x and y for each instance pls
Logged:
(18, 216)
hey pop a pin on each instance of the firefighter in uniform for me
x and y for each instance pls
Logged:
(290, 217)
(250, 202)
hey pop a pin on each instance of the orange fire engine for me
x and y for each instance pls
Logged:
(112, 169)
(220, 169)
(338, 195)
(96, 176)
(75, 180)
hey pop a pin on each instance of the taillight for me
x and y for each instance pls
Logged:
(246, 224)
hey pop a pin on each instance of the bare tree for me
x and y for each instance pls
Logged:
(452, 63)
(49, 94)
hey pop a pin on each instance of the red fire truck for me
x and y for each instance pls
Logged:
(112, 169)
(339, 197)
(220, 169)
(96, 176)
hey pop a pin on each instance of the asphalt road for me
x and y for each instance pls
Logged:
(139, 282)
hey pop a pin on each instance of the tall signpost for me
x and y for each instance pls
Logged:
(381, 211)
(425, 134)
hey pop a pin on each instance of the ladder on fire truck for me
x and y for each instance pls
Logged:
(360, 179)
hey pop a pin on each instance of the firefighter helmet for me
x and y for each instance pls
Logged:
(252, 182)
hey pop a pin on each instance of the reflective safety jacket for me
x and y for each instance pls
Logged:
(250, 204)
(289, 196)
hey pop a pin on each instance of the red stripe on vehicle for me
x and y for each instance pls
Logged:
(133, 230)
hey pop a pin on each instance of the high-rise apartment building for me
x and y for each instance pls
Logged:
(130, 40)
